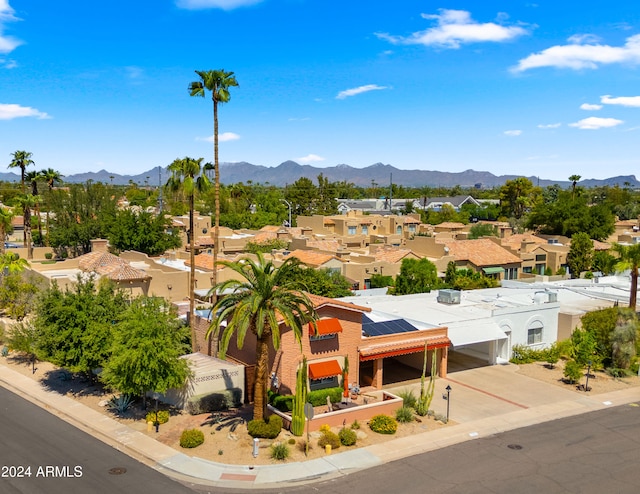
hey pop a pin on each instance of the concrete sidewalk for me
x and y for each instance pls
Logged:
(484, 402)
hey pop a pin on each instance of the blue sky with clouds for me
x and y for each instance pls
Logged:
(542, 88)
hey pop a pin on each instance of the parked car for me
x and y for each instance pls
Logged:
(11, 245)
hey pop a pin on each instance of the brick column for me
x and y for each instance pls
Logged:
(377, 373)
(443, 357)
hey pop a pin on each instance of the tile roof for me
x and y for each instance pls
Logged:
(450, 224)
(203, 261)
(95, 260)
(264, 235)
(391, 255)
(319, 301)
(311, 257)
(123, 272)
(111, 266)
(403, 347)
(480, 252)
(328, 245)
(515, 241)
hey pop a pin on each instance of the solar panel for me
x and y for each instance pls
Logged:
(371, 328)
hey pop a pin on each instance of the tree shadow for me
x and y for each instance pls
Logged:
(64, 382)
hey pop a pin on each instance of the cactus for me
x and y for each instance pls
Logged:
(426, 395)
(300, 398)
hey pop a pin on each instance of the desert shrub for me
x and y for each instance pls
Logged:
(319, 397)
(347, 436)
(48, 256)
(404, 415)
(524, 355)
(291, 441)
(279, 451)
(267, 430)
(120, 404)
(214, 402)
(408, 398)
(163, 416)
(302, 445)
(325, 428)
(553, 354)
(329, 438)
(572, 371)
(191, 438)
(383, 424)
(284, 403)
(356, 425)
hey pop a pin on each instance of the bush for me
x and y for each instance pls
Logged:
(356, 425)
(408, 398)
(347, 436)
(572, 371)
(329, 438)
(163, 416)
(319, 397)
(120, 404)
(383, 424)
(48, 256)
(404, 415)
(524, 355)
(263, 429)
(279, 451)
(284, 403)
(191, 438)
(214, 402)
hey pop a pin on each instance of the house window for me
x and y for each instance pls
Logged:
(412, 228)
(365, 230)
(351, 230)
(325, 382)
(399, 229)
(511, 274)
(540, 268)
(322, 337)
(527, 269)
(541, 257)
(534, 335)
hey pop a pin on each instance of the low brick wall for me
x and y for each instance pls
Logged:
(385, 403)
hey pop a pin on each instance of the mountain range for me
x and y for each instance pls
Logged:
(379, 174)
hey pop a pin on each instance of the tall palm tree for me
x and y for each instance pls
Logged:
(32, 179)
(6, 215)
(264, 299)
(188, 176)
(52, 178)
(574, 181)
(27, 202)
(22, 159)
(218, 82)
(629, 258)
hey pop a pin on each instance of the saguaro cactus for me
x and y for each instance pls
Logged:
(426, 395)
(300, 398)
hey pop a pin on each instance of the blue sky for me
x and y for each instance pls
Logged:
(543, 88)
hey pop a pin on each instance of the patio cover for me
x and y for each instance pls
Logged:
(404, 347)
(475, 333)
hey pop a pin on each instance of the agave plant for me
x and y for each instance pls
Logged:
(120, 404)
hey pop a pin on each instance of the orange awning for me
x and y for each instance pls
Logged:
(326, 326)
(320, 370)
(402, 348)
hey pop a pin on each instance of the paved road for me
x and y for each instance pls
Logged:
(594, 453)
(33, 438)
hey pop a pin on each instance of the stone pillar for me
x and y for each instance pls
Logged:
(442, 361)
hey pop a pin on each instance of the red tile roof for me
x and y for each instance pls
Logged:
(480, 252)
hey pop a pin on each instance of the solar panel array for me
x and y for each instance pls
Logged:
(372, 328)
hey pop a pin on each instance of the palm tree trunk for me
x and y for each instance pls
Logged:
(216, 171)
(192, 276)
(260, 385)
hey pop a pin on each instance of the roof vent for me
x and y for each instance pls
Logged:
(448, 296)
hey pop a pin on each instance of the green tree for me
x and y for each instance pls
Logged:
(302, 195)
(629, 259)
(324, 282)
(264, 298)
(21, 159)
(23, 338)
(623, 345)
(76, 326)
(266, 246)
(12, 263)
(580, 254)
(416, 276)
(143, 232)
(147, 344)
(6, 217)
(189, 176)
(518, 196)
(26, 202)
(483, 230)
(574, 182)
(218, 82)
(18, 294)
(603, 262)
(381, 281)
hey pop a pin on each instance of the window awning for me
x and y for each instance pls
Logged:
(494, 270)
(321, 370)
(326, 326)
(404, 347)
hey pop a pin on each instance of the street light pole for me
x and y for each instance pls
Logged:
(289, 205)
(448, 395)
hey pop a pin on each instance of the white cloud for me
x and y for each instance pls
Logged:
(549, 126)
(590, 107)
(580, 39)
(359, 90)
(214, 4)
(455, 28)
(594, 123)
(578, 56)
(310, 158)
(8, 63)
(224, 137)
(7, 43)
(633, 101)
(11, 111)
(512, 133)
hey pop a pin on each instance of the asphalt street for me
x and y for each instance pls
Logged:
(40, 453)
